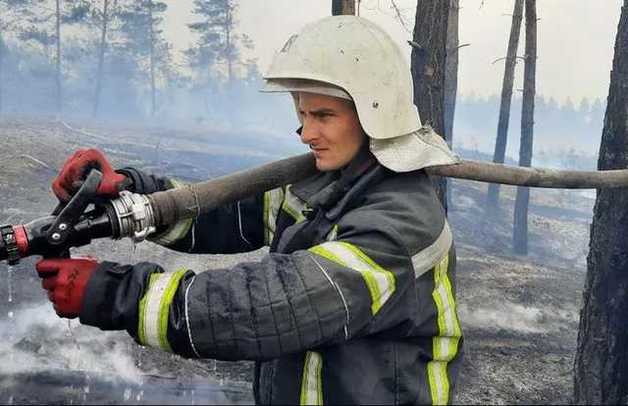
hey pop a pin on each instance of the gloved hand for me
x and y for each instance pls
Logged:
(77, 167)
(65, 279)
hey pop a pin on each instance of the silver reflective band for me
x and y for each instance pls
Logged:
(427, 258)
(272, 204)
(342, 297)
(293, 206)
(311, 384)
(152, 311)
(135, 216)
(187, 318)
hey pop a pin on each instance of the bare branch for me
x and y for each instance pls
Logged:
(523, 58)
(458, 47)
(414, 44)
(37, 161)
(399, 16)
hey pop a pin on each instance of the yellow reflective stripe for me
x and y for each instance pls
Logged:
(294, 206)
(380, 282)
(272, 204)
(333, 234)
(155, 308)
(312, 382)
(439, 384)
(174, 233)
(177, 231)
(445, 344)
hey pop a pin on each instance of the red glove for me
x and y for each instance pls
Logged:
(65, 279)
(77, 167)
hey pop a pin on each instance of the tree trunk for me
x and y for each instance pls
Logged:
(520, 231)
(428, 69)
(504, 108)
(59, 96)
(101, 56)
(451, 77)
(1, 72)
(451, 71)
(601, 364)
(342, 7)
(153, 96)
(228, 25)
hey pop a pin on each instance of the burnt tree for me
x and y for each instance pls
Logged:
(429, 49)
(451, 71)
(451, 77)
(342, 7)
(58, 90)
(151, 53)
(601, 364)
(520, 230)
(506, 99)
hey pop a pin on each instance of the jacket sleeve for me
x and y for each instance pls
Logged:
(242, 226)
(361, 282)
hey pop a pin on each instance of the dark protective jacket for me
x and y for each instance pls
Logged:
(354, 303)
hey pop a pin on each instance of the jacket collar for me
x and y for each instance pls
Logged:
(325, 189)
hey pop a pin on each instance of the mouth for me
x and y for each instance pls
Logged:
(318, 151)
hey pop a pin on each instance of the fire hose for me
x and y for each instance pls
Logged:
(85, 217)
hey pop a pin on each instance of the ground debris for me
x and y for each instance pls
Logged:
(519, 314)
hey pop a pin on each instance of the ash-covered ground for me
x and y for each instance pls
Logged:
(519, 314)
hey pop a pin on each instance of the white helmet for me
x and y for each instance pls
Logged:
(358, 59)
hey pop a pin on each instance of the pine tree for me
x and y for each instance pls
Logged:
(428, 69)
(506, 100)
(12, 14)
(104, 16)
(142, 33)
(219, 45)
(45, 28)
(601, 361)
(522, 200)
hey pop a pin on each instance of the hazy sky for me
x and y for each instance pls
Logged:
(575, 38)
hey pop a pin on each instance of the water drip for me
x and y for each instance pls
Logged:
(10, 283)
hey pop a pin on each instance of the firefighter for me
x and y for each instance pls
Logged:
(355, 301)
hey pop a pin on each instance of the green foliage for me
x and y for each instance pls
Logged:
(136, 22)
(217, 50)
(77, 12)
(38, 35)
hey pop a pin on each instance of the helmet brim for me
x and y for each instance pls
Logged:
(303, 85)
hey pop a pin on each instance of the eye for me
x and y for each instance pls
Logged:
(323, 116)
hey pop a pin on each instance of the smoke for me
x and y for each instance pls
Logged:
(46, 360)
(36, 339)
(515, 317)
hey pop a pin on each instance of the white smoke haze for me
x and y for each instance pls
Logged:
(515, 317)
(35, 339)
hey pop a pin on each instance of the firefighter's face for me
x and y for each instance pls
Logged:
(331, 128)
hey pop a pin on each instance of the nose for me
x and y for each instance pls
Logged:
(308, 132)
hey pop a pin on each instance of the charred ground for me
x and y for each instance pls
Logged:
(519, 314)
